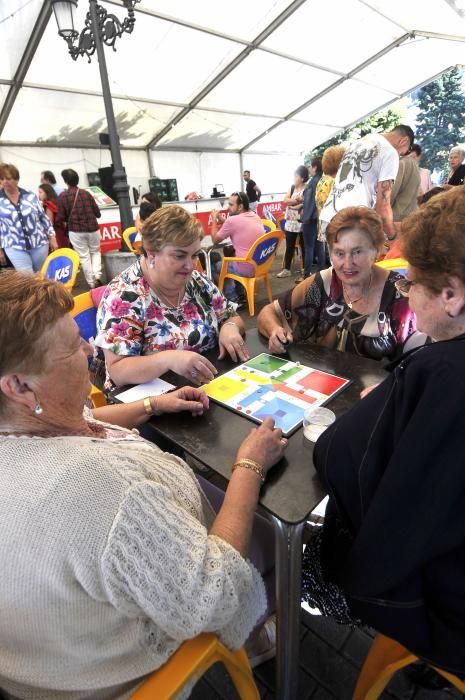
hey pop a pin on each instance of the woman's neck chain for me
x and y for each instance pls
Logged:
(351, 302)
(165, 299)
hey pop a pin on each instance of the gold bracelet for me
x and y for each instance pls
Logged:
(253, 466)
(148, 407)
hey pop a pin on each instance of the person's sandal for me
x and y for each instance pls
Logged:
(261, 645)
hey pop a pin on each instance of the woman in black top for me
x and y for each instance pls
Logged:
(392, 549)
(354, 305)
(457, 173)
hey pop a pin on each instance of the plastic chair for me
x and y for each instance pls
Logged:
(129, 237)
(85, 314)
(62, 265)
(268, 225)
(190, 662)
(384, 659)
(261, 256)
(397, 264)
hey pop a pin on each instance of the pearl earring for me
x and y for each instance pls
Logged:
(152, 263)
(38, 410)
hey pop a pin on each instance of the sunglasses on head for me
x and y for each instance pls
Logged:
(240, 198)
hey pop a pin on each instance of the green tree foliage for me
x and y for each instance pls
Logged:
(379, 122)
(440, 118)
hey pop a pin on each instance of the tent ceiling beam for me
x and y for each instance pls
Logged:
(221, 35)
(26, 59)
(228, 69)
(143, 100)
(64, 144)
(331, 87)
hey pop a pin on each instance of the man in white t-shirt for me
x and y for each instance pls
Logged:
(366, 175)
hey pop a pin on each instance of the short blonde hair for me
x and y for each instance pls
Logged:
(331, 160)
(170, 226)
(28, 308)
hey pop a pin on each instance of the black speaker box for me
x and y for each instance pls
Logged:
(106, 181)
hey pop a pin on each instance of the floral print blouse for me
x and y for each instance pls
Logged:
(132, 320)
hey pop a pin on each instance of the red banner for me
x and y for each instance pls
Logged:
(110, 235)
(275, 209)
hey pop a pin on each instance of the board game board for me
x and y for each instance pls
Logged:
(273, 386)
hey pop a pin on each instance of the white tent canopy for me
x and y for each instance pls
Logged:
(260, 77)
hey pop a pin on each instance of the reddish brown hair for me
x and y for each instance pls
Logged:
(433, 240)
(331, 160)
(28, 308)
(361, 219)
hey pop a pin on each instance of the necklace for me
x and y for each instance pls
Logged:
(351, 302)
(165, 299)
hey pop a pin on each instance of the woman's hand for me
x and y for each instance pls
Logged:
(53, 244)
(264, 445)
(279, 339)
(187, 398)
(367, 391)
(231, 341)
(193, 366)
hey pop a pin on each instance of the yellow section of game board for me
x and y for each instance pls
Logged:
(255, 378)
(223, 388)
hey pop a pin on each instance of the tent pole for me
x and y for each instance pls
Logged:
(119, 174)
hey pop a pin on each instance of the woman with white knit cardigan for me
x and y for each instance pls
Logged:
(110, 553)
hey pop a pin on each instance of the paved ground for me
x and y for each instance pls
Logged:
(330, 655)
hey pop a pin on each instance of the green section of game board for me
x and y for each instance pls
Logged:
(266, 363)
(288, 373)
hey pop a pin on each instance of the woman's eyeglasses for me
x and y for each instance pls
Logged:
(403, 286)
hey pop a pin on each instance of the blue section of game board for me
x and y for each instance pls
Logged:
(257, 395)
(286, 415)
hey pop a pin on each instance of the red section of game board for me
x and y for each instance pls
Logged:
(292, 392)
(324, 383)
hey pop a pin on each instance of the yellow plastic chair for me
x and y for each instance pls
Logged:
(397, 264)
(62, 265)
(85, 314)
(260, 256)
(268, 225)
(129, 237)
(190, 662)
(384, 659)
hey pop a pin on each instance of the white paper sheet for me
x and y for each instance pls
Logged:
(153, 388)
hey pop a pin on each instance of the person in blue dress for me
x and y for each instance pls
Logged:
(26, 232)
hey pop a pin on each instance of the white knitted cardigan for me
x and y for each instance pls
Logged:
(106, 567)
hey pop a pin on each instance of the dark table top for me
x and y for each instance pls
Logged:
(292, 488)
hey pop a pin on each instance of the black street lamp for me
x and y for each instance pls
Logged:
(100, 28)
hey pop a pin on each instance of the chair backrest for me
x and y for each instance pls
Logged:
(129, 237)
(85, 314)
(264, 250)
(282, 223)
(268, 225)
(62, 265)
(397, 264)
(268, 215)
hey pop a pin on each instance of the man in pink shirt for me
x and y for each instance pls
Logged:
(243, 227)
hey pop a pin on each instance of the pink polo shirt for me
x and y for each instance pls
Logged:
(243, 230)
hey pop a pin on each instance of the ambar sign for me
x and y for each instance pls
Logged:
(110, 236)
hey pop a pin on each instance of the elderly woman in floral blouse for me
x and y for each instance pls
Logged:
(161, 313)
